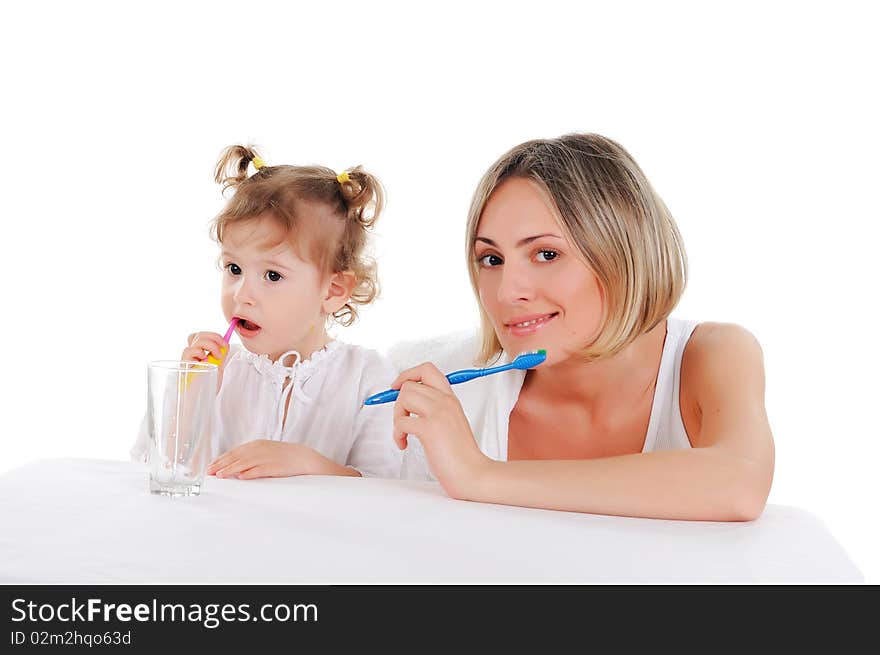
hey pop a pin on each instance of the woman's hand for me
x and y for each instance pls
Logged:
(263, 458)
(427, 409)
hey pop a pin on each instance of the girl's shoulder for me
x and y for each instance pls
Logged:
(365, 368)
(361, 358)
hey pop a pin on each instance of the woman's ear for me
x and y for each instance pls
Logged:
(339, 290)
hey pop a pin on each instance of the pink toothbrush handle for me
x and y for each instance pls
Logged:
(230, 330)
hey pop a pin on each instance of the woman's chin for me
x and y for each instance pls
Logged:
(515, 347)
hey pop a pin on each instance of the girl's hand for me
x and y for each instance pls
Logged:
(202, 344)
(427, 408)
(263, 458)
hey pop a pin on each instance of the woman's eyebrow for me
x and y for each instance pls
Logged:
(522, 242)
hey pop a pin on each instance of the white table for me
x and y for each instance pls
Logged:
(94, 521)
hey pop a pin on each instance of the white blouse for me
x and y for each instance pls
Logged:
(326, 410)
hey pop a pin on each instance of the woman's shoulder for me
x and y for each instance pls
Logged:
(710, 339)
(720, 352)
(450, 351)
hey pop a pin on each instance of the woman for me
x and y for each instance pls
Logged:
(633, 413)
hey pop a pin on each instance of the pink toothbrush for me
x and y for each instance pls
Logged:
(226, 337)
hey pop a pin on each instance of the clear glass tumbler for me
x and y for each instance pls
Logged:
(180, 420)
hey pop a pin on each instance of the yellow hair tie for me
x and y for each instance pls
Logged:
(343, 177)
(258, 163)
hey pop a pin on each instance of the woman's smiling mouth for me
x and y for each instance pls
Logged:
(522, 326)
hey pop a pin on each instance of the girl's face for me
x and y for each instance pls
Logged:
(533, 284)
(279, 297)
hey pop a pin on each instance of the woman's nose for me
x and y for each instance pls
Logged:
(516, 284)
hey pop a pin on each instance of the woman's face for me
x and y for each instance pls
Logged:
(533, 282)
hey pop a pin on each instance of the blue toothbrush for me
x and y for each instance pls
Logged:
(523, 361)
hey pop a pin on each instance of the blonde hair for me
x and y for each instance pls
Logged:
(621, 227)
(355, 201)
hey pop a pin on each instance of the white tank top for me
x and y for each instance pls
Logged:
(666, 428)
(488, 402)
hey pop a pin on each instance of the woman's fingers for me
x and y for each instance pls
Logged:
(419, 387)
(399, 432)
(426, 373)
(415, 400)
(404, 426)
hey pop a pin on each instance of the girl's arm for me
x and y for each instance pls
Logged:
(725, 477)
(263, 458)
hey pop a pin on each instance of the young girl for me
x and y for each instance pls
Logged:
(633, 413)
(290, 402)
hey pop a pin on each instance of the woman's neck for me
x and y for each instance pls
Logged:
(631, 371)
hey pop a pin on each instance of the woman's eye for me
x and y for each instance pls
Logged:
(273, 276)
(233, 268)
(547, 255)
(489, 260)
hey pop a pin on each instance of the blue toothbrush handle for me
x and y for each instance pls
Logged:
(383, 397)
(456, 377)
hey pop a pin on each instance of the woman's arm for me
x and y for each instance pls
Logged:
(725, 477)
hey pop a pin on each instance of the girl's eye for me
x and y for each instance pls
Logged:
(489, 260)
(273, 276)
(546, 255)
(233, 268)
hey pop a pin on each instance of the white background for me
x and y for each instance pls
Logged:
(757, 124)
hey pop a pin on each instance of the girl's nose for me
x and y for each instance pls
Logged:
(242, 295)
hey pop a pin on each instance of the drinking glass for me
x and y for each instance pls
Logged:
(180, 420)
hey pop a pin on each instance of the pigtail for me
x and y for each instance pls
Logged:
(232, 167)
(364, 200)
(364, 195)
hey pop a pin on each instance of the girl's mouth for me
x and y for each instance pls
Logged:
(247, 329)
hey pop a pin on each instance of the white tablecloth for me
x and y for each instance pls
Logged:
(94, 521)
